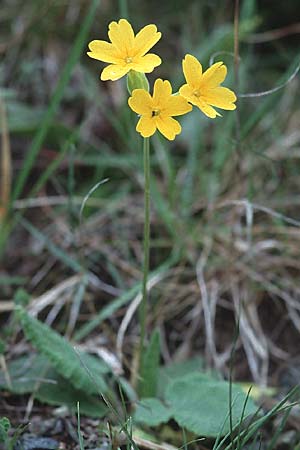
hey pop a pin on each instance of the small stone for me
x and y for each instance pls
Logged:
(36, 443)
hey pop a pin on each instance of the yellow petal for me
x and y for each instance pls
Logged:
(114, 72)
(214, 75)
(192, 70)
(141, 102)
(208, 110)
(146, 39)
(168, 126)
(187, 92)
(103, 51)
(146, 64)
(146, 126)
(176, 106)
(121, 35)
(220, 97)
(161, 91)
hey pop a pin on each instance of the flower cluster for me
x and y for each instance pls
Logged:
(127, 54)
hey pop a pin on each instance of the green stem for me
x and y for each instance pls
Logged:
(143, 304)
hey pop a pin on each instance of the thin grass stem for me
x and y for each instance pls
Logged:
(237, 82)
(5, 163)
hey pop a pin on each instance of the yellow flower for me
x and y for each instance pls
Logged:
(203, 90)
(126, 51)
(156, 111)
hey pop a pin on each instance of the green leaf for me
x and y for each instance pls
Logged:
(202, 406)
(77, 368)
(21, 117)
(21, 297)
(63, 393)
(4, 427)
(175, 370)
(149, 367)
(152, 412)
(27, 373)
(24, 373)
(34, 374)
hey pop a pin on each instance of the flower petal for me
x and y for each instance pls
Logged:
(161, 91)
(146, 64)
(103, 51)
(214, 75)
(168, 127)
(146, 39)
(221, 97)
(192, 70)
(121, 35)
(114, 72)
(186, 91)
(146, 126)
(176, 106)
(208, 110)
(141, 102)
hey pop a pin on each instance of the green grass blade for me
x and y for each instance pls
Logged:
(80, 438)
(45, 175)
(279, 430)
(149, 372)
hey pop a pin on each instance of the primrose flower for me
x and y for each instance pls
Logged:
(156, 111)
(203, 89)
(126, 51)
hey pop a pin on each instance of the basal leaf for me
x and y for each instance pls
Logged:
(33, 374)
(77, 368)
(175, 370)
(202, 406)
(63, 393)
(152, 412)
(25, 373)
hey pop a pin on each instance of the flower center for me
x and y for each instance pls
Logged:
(197, 93)
(128, 60)
(155, 112)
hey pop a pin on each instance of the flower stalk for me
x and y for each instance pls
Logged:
(146, 249)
